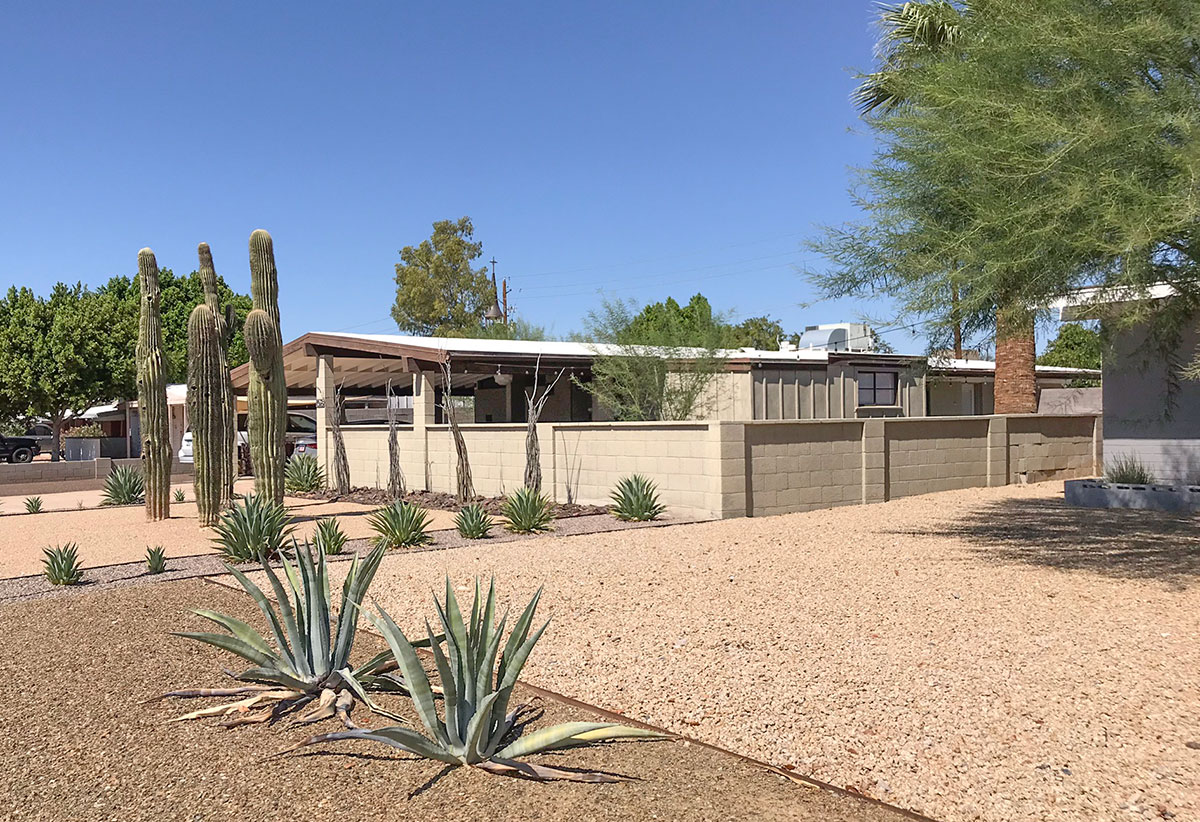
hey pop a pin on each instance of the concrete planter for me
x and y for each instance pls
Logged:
(1094, 493)
(79, 449)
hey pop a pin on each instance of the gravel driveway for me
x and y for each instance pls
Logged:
(981, 654)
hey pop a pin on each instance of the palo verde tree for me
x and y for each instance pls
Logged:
(438, 291)
(1041, 158)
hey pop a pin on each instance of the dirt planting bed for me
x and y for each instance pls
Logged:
(87, 750)
(439, 501)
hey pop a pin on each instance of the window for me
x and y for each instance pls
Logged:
(301, 423)
(877, 387)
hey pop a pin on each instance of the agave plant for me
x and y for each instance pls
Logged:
(33, 505)
(178, 496)
(310, 660)
(473, 522)
(527, 512)
(156, 560)
(124, 486)
(636, 499)
(62, 566)
(400, 525)
(475, 728)
(303, 474)
(329, 538)
(256, 527)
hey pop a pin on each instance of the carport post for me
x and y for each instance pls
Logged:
(423, 417)
(326, 387)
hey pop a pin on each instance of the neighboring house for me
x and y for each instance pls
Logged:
(791, 384)
(1150, 412)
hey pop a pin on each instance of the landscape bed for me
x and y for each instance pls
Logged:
(440, 501)
(90, 751)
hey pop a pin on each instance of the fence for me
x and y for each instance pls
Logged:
(729, 469)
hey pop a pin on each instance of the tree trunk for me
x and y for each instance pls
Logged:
(56, 430)
(466, 486)
(958, 335)
(1016, 382)
(341, 465)
(395, 471)
(533, 456)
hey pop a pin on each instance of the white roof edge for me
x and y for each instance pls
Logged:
(1078, 304)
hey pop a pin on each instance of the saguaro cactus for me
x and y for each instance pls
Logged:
(206, 409)
(267, 396)
(152, 393)
(225, 320)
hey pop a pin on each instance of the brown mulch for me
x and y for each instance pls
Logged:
(443, 502)
(83, 748)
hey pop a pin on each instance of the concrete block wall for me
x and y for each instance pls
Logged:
(930, 454)
(800, 466)
(496, 452)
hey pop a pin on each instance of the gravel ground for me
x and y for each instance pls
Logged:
(87, 750)
(983, 654)
(72, 500)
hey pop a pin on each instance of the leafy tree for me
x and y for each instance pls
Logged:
(1035, 158)
(57, 355)
(656, 364)
(754, 332)
(697, 324)
(1076, 346)
(438, 292)
(180, 294)
(516, 328)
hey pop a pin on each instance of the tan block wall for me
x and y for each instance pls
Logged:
(496, 452)
(800, 466)
(1042, 447)
(930, 454)
(367, 454)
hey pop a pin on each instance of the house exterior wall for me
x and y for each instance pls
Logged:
(728, 469)
(1141, 418)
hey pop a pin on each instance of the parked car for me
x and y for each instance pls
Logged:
(43, 432)
(19, 449)
(301, 435)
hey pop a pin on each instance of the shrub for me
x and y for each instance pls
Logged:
(156, 560)
(124, 486)
(1128, 469)
(400, 525)
(527, 512)
(303, 474)
(255, 528)
(33, 505)
(635, 499)
(329, 538)
(88, 430)
(179, 497)
(475, 696)
(473, 522)
(62, 566)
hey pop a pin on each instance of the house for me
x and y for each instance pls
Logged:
(1150, 413)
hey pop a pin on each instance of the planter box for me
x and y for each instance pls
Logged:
(1093, 493)
(79, 449)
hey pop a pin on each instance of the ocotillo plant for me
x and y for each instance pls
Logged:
(152, 393)
(206, 409)
(267, 396)
(225, 321)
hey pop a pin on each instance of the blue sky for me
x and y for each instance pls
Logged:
(644, 149)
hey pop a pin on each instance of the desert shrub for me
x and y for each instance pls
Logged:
(329, 538)
(400, 525)
(303, 474)
(254, 528)
(527, 512)
(1128, 469)
(33, 505)
(88, 430)
(156, 560)
(179, 497)
(473, 522)
(124, 486)
(636, 499)
(62, 565)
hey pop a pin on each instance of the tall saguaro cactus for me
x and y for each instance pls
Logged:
(152, 393)
(206, 409)
(267, 396)
(224, 320)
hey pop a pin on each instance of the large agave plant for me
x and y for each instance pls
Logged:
(255, 528)
(527, 512)
(303, 474)
(636, 499)
(124, 486)
(310, 660)
(475, 727)
(400, 525)
(61, 565)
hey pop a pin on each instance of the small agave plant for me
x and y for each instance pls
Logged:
(62, 565)
(527, 512)
(329, 538)
(400, 525)
(257, 527)
(476, 728)
(635, 499)
(310, 660)
(473, 522)
(124, 486)
(156, 560)
(33, 505)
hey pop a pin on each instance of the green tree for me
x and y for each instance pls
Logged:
(180, 294)
(755, 332)
(438, 292)
(655, 364)
(1039, 159)
(517, 328)
(1075, 346)
(57, 356)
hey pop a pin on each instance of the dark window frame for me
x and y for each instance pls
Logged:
(870, 395)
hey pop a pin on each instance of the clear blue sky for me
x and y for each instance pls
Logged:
(648, 149)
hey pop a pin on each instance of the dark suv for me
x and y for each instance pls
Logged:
(18, 449)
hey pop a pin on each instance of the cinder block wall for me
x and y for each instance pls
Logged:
(799, 466)
(927, 454)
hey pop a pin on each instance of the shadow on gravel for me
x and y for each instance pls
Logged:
(1113, 542)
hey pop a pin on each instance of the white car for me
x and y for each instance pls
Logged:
(300, 438)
